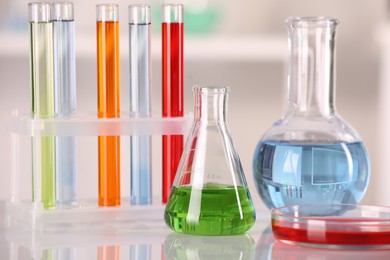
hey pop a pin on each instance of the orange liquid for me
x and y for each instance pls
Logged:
(109, 253)
(108, 107)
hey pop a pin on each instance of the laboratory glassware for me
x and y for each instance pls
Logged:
(338, 225)
(140, 105)
(65, 99)
(108, 78)
(311, 155)
(172, 89)
(210, 195)
(42, 93)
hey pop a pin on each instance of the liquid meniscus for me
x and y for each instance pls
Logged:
(210, 211)
(296, 173)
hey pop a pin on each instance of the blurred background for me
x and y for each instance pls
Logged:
(241, 44)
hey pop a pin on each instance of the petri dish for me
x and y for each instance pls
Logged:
(333, 226)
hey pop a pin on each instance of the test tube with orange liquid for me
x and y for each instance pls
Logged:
(108, 78)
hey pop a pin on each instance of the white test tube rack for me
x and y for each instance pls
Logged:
(84, 215)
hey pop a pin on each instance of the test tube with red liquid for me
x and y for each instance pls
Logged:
(172, 89)
(108, 78)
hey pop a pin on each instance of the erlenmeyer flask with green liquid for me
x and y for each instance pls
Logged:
(210, 195)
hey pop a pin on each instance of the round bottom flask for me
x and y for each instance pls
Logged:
(311, 156)
(210, 195)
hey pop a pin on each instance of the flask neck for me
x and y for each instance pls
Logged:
(210, 103)
(311, 71)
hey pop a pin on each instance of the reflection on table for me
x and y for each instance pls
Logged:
(162, 243)
(177, 246)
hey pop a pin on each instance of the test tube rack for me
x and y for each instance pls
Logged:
(29, 214)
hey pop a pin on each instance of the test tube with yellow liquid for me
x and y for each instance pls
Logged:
(42, 97)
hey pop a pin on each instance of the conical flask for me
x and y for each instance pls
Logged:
(210, 195)
(312, 155)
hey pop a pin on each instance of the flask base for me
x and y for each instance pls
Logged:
(210, 211)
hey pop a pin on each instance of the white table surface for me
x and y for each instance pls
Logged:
(161, 243)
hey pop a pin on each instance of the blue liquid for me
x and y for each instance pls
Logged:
(141, 169)
(140, 106)
(65, 107)
(300, 173)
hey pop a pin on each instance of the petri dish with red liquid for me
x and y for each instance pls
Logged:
(333, 226)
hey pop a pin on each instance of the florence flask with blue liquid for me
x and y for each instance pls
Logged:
(311, 155)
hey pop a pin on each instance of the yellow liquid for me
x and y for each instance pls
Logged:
(42, 88)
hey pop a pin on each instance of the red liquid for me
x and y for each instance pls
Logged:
(330, 234)
(172, 105)
(108, 107)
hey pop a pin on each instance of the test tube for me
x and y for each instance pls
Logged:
(65, 99)
(140, 106)
(172, 89)
(42, 90)
(108, 78)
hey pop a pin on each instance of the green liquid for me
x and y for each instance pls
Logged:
(210, 211)
(42, 87)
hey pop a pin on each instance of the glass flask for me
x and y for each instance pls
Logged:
(311, 155)
(210, 195)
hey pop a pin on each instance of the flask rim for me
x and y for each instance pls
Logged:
(311, 21)
(210, 89)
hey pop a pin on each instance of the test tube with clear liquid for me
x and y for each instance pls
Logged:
(108, 78)
(65, 99)
(140, 105)
(42, 95)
